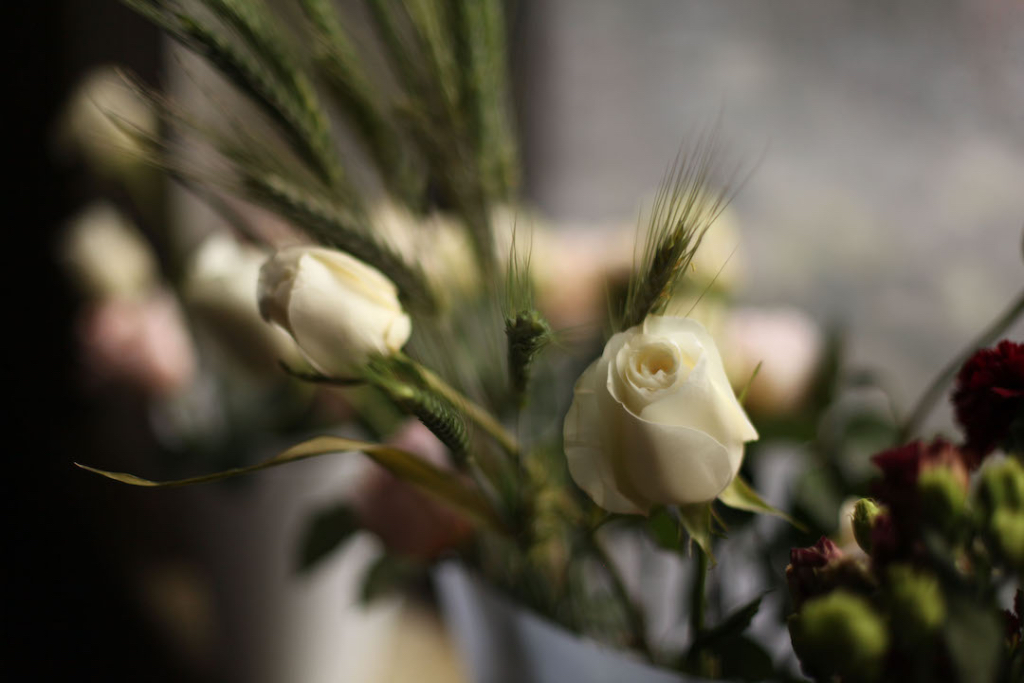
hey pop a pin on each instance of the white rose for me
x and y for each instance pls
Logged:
(438, 243)
(107, 255)
(220, 281)
(338, 309)
(788, 344)
(95, 120)
(654, 420)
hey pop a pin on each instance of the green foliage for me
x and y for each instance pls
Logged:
(328, 530)
(917, 607)
(697, 519)
(840, 634)
(526, 330)
(449, 62)
(245, 49)
(527, 333)
(410, 468)
(865, 513)
(333, 226)
(388, 574)
(943, 498)
(742, 496)
(407, 390)
(724, 652)
(730, 627)
(683, 211)
(362, 101)
(974, 637)
(665, 530)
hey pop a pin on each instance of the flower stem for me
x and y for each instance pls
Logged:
(697, 597)
(478, 415)
(931, 395)
(634, 613)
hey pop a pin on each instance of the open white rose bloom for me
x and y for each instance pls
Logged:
(338, 309)
(655, 421)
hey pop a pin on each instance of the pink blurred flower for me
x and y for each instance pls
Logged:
(141, 342)
(408, 521)
(788, 344)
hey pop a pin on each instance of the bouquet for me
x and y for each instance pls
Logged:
(399, 274)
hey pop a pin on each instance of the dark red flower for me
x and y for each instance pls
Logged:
(989, 396)
(818, 555)
(902, 466)
(885, 540)
(821, 568)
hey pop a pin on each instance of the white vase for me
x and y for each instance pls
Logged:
(502, 642)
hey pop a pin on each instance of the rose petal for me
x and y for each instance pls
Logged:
(360, 324)
(733, 414)
(588, 442)
(677, 465)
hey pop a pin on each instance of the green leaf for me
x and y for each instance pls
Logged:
(731, 627)
(388, 574)
(743, 394)
(406, 466)
(974, 637)
(696, 519)
(664, 530)
(328, 530)
(744, 659)
(741, 496)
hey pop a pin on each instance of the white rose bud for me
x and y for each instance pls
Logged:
(219, 283)
(107, 255)
(338, 309)
(97, 119)
(654, 420)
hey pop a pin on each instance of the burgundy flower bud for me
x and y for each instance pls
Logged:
(821, 568)
(895, 534)
(989, 397)
(902, 466)
(818, 555)
(885, 540)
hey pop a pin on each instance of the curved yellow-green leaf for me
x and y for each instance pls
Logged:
(406, 466)
(696, 519)
(742, 496)
(742, 396)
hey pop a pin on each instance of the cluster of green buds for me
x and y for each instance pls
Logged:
(999, 510)
(929, 539)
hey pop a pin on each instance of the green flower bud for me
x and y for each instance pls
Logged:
(864, 514)
(840, 634)
(943, 497)
(1007, 527)
(916, 606)
(1002, 485)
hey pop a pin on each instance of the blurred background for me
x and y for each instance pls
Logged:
(886, 199)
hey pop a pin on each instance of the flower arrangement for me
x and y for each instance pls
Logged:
(411, 293)
(922, 595)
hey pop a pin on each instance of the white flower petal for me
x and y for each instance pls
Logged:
(733, 412)
(338, 309)
(587, 441)
(678, 465)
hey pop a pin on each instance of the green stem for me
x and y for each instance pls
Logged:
(478, 415)
(935, 389)
(697, 597)
(634, 613)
